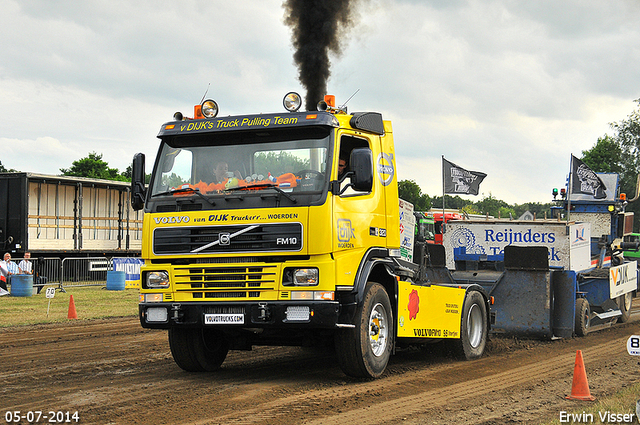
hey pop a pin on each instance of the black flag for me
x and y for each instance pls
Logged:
(585, 180)
(459, 180)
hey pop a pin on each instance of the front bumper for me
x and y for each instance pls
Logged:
(237, 315)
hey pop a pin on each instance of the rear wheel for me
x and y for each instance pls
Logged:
(583, 319)
(474, 327)
(198, 350)
(364, 351)
(624, 303)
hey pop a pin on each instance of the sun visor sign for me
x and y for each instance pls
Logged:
(385, 167)
(248, 122)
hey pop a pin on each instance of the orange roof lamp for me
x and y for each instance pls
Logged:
(328, 104)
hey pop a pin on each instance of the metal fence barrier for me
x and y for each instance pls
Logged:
(69, 272)
(46, 271)
(90, 271)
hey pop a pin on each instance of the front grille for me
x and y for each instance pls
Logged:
(228, 239)
(223, 282)
(228, 277)
(214, 309)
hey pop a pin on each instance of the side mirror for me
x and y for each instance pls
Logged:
(138, 190)
(361, 164)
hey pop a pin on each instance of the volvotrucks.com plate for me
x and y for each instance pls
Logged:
(224, 319)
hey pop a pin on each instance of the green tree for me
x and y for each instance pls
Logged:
(628, 138)
(451, 202)
(605, 156)
(469, 209)
(409, 191)
(539, 210)
(5, 170)
(620, 153)
(128, 173)
(494, 207)
(93, 167)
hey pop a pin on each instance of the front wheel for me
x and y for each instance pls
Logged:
(624, 303)
(473, 328)
(583, 317)
(198, 350)
(364, 351)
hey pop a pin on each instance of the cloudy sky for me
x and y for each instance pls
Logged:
(510, 88)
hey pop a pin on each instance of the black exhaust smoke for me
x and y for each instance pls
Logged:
(317, 27)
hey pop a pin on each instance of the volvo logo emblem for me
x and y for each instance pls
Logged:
(385, 168)
(224, 238)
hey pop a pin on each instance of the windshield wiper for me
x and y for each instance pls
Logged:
(263, 186)
(186, 189)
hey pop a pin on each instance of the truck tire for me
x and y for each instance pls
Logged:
(624, 303)
(583, 317)
(364, 351)
(474, 328)
(198, 350)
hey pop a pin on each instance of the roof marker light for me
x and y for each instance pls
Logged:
(209, 108)
(292, 101)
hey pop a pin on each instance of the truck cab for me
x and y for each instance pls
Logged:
(253, 235)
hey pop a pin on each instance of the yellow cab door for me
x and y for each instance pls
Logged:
(359, 217)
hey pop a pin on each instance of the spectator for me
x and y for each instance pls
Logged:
(3, 278)
(25, 265)
(11, 266)
(4, 274)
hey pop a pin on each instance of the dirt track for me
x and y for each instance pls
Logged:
(113, 371)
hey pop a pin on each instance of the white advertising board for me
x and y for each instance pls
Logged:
(623, 279)
(568, 248)
(580, 246)
(407, 230)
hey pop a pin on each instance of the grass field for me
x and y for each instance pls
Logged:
(91, 302)
(623, 402)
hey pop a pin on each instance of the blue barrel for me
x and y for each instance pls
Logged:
(115, 280)
(22, 285)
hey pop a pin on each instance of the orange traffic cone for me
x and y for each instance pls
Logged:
(72, 309)
(580, 386)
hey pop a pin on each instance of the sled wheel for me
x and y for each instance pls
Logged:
(583, 313)
(364, 351)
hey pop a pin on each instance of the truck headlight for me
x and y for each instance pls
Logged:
(305, 277)
(157, 279)
(308, 276)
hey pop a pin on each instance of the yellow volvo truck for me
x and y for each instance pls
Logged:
(285, 229)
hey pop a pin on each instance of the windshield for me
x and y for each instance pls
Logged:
(214, 164)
